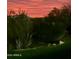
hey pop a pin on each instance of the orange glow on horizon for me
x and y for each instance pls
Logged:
(34, 8)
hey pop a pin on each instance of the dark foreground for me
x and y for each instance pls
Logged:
(52, 52)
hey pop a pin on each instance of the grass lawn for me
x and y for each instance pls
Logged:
(52, 52)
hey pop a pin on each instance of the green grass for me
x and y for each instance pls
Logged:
(52, 52)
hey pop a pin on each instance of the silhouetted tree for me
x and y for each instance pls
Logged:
(19, 29)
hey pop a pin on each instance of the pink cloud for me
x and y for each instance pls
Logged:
(35, 8)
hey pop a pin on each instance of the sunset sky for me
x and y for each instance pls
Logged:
(35, 8)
